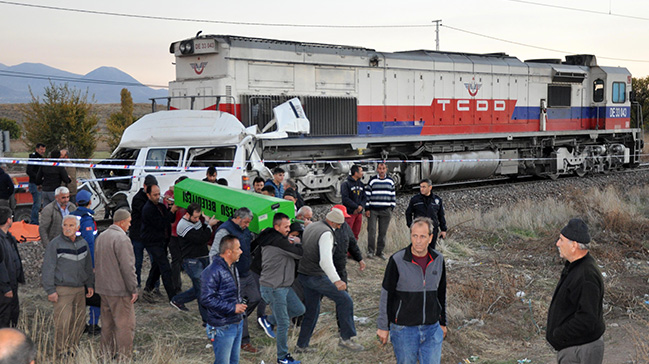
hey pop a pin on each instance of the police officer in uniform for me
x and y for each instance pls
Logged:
(428, 204)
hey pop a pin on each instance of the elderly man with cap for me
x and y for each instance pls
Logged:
(346, 243)
(117, 284)
(575, 317)
(318, 277)
(88, 230)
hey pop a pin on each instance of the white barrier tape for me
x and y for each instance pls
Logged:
(45, 162)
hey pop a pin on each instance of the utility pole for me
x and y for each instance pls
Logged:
(437, 23)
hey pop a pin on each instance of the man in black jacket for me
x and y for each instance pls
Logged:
(32, 172)
(51, 177)
(575, 317)
(155, 231)
(136, 224)
(11, 272)
(194, 236)
(7, 191)
(427, 204)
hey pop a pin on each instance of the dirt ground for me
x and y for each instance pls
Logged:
(488, 322)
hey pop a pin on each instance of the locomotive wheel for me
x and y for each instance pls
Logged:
(553, 176)
(333, 197)
(580, 172)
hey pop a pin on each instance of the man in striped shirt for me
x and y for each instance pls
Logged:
(381, 199)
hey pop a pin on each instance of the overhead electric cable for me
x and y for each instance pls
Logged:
(138, 16)
(579, 9)
(537, 47)
(338, 26)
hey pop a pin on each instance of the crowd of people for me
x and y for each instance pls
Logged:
(288, 267)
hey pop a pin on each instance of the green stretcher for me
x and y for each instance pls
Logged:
(221, 202)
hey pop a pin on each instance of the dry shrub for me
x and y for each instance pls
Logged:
(476, 298)
(525, 218)
(616, 216)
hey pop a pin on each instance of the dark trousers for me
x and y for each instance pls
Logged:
(159, 267)
(176, 262)
(249, 290)
(433, 242)
(261, 306)
(138, 251)
(36, 206)
(382, 218)
(590, 353)
(314, 288)
(9, 310)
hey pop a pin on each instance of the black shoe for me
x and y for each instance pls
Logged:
(92, 330)
(178, 306)
(157, 292)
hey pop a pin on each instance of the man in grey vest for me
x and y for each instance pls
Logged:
(318, 277)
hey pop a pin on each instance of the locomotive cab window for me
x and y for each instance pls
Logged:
(598, 90)
(559, 95)
(619, 92)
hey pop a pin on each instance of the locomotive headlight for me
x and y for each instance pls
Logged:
(187, 47)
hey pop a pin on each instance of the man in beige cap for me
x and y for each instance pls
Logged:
(318, 277)
(116, 282)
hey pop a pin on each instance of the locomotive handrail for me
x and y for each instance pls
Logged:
(192, 99)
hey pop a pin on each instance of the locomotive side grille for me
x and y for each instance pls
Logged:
(559, 95)
(328, 115)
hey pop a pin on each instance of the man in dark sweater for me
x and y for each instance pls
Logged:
(427, 204)
(51, 177)
(136, 224)
(155, 232)
(11, 272)
(575, 317)
(354, 198)
(193, 236)
(32, 172)
(6, 191)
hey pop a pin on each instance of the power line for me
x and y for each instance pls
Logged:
(37, 76)
(138, 16)
(537, 47)
(579, 9)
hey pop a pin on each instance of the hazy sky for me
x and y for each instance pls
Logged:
(80, 42)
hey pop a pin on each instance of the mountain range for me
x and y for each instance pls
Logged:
(103, 84)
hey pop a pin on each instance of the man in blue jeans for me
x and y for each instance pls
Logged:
(32, 172)
(318, 277)
(278, 256)
(412, 309)
(221, 296)
(194, 236)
